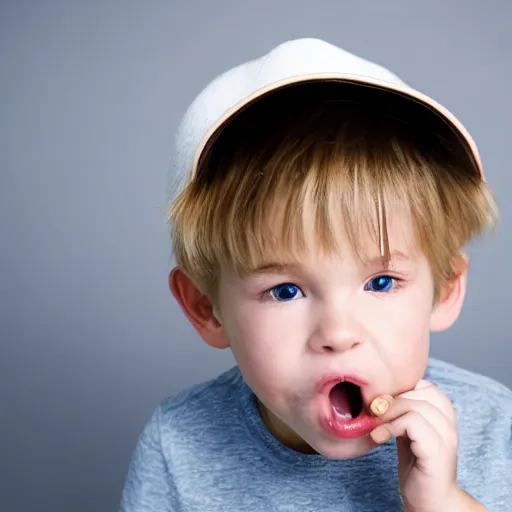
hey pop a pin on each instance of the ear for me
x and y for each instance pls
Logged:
(197, 308)
(451, 297)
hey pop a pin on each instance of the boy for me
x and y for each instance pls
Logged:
(318, 214)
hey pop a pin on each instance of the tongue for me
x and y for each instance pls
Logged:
(340, 401)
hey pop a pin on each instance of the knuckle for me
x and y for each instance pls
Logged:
(416, 416)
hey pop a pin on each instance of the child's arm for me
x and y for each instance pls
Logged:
(149, 485)
(465, 503)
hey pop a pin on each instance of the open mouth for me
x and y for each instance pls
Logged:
(346, 400)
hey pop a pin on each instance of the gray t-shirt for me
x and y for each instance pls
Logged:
(208, 450)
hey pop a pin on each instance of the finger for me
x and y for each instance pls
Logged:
(423, 383)
(427, 391)
(436, 418)
(425, 442)
(381, 434)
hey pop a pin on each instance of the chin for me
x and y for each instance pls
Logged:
(344, 448)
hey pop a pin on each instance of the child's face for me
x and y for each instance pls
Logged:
(336, 317)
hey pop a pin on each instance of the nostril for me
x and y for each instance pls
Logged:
(333, 347)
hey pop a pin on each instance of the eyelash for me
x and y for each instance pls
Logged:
(397, 285)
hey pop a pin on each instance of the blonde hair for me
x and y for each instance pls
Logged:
(304, 150)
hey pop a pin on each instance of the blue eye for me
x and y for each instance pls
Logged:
(379, 284)
(285, 292)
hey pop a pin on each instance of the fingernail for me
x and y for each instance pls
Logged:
(381, 405)
(380, 435)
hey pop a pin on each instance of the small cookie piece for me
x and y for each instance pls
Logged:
(381, 405)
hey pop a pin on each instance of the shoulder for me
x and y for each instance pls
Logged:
(192, 408)
(216, 388)
(483, 408)
(469, 388)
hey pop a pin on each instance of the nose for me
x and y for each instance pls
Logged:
(337, 331)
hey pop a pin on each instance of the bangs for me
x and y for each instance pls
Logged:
(321, 175)
(284, 207)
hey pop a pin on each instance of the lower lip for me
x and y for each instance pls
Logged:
(348, 429)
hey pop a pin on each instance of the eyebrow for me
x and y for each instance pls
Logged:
(394, 256)
(274, 267)
(279, 268)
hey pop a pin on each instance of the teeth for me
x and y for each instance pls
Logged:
(343, 415)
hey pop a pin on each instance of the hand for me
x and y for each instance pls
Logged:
(424, 423)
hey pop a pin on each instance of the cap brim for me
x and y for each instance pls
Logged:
(403, 90)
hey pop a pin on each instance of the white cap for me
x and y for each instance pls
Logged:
(293, 62)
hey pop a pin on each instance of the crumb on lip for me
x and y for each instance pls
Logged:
(381, 404)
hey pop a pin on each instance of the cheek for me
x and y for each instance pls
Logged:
(412, 359)
(409, 336)
(264, 341)
(407, 340)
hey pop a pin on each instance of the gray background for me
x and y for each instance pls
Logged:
(91, 94)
